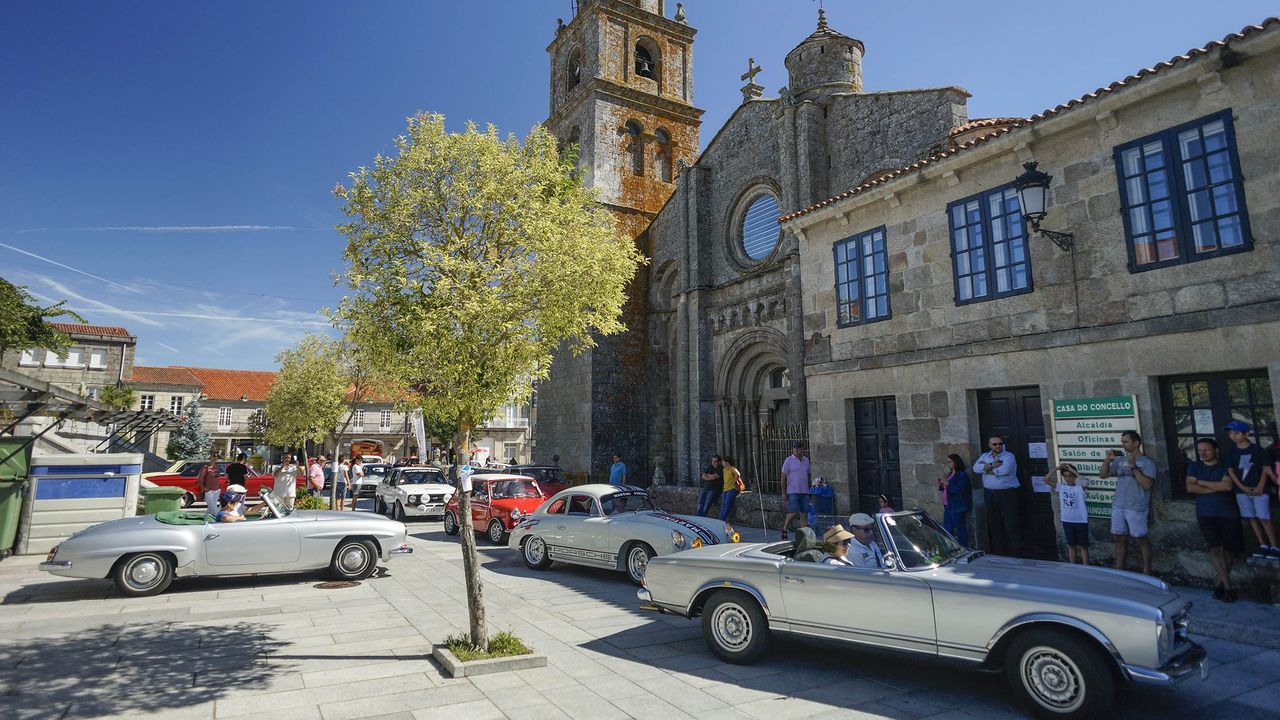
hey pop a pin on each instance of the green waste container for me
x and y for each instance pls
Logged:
(15, 463)
(162, 499)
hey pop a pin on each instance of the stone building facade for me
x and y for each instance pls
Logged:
(1169, 182)
(715, 354)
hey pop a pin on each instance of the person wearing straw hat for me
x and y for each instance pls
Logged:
(837, 540)
(863, 550)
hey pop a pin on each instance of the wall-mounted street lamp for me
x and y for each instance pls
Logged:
(1033, 196)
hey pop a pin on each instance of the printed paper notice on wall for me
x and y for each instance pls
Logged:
(1038, 450)
(1204, 421)
(1039, 485)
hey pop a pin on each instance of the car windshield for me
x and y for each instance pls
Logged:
(418, 477)
(516, 489)
(375, 470)
(920, 542)
(278, 508)
(621, 502)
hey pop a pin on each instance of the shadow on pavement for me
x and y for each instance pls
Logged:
(74, 589)
(126, 670)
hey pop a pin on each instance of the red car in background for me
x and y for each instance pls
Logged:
(185, 478)
(498, 501)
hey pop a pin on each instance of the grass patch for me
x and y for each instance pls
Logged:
(504, 644)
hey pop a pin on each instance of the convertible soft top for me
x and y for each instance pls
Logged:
(184, 517)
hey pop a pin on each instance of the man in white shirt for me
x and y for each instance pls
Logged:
(863, 550)
(999, 470)
(357, 477)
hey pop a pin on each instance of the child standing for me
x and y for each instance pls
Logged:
(885, 506)
(1066, 481)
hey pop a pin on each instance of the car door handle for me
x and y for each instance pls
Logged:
(210, 536)
(788, 578)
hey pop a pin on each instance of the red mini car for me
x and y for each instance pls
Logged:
(498, 501)
(185, 478)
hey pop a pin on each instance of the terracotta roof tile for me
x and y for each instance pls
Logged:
(1188, 56)
(147, 375)
(92, 329)
(233, 384)
(986, 122)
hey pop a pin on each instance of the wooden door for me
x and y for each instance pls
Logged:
(873, 426)
(1016, 415)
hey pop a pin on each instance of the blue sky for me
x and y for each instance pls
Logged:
(167, 166)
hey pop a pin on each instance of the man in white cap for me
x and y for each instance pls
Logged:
(863, 550)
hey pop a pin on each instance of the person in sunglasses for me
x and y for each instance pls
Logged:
(999, 470)
(837, 541)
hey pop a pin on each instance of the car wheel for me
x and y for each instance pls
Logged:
(638, 561)
(450, 524)
(535, 553)
(143, 574)
(188, 499)
(734, 627)
(398, 512)
(379, 507)
(1060, 675)
(353, 560)
(497, 533)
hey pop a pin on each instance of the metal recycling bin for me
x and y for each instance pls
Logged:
(68, 493)
(15, 457)
(162, 499)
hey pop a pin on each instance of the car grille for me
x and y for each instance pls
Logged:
(433, 499)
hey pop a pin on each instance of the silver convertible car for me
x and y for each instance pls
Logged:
(1064, 634)
(143, 554)
(610, 526)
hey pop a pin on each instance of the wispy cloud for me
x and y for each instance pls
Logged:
(168, 228)
(278, 320)
(168, 347)
(89, 305)
(74, 270)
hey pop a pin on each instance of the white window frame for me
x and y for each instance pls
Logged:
(91, 393)
(97, 358)
(384, 419)
(146, 402)
(29, 358)
(74, 357)
(357, 420)
(52, 359)
(175, 404)
(224, 418)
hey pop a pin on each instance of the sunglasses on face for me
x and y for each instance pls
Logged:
(846, 543)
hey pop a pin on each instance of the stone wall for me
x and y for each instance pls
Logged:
(1089, 326)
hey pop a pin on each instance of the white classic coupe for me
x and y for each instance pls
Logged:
(610, 526)
(413, 492)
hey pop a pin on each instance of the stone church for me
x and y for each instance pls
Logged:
(713, 360)
(858, 270)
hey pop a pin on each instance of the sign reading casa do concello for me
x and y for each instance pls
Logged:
(1083, 431)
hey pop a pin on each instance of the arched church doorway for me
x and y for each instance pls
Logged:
(755, 420)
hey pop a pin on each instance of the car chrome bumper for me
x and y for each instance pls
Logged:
(55, 565)
(402, 550)
(1180, 668)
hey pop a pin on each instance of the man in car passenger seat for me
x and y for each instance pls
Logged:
(837, 540)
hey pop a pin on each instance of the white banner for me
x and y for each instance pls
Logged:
(420, 434)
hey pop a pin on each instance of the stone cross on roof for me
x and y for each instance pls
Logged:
(751, 90)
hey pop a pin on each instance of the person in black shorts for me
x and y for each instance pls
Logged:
(1217, 513)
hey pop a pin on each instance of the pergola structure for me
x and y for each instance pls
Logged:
(23, 397)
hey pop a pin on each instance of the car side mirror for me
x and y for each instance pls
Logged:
(890, 561)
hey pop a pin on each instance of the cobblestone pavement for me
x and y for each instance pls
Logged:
(281, 648)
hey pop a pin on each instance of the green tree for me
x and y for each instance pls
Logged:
(189, 441)
(120, 397)
(314, 395)
(470, 259)
(25, 324)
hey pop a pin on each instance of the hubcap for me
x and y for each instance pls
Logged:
(495, 532)
(732, 627)
(144, 572)
(535, 550)
(353, 559)
(637, 562)
(448, 523)
(1053, 679)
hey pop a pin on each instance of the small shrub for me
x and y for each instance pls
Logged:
(307, 501)
(504, 644)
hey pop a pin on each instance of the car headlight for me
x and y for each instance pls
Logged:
(731, 533)
(516, 514)
(413, 499)
(1164, 635)
(677, 539)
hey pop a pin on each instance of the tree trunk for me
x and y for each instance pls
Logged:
(470, 560)
(337, 473)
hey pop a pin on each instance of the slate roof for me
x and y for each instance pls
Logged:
(1188, 56)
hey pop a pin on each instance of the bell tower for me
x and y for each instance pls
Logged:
(622, 92)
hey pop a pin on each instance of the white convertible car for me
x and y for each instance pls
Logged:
(610, 526)
(144, 554)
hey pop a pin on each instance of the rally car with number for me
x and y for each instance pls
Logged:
(610, 526)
